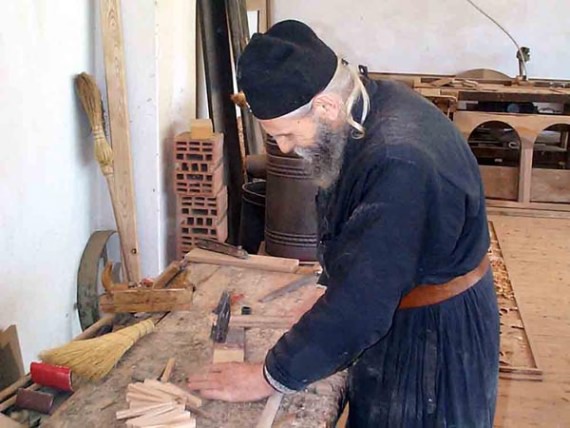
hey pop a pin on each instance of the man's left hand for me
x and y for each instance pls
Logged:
(235, 382)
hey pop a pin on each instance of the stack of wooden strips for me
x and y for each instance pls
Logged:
(158, 404)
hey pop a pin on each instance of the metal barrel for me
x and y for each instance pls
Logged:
(252, 225)
(290, 214)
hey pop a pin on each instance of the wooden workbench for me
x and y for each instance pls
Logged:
(185, 335)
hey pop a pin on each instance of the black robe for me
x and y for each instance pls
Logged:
(408, 209)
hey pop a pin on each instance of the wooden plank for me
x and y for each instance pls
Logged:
(233, 349)
(146, 389)
(270, 411)
(120, 137)
(10, 357)
(261, 321)
(550, 185)
(525, 173)
(177, 414)
(170, 388)
(531, 205)
(6, 422)
(147, 300)
(12, 389)
(276, 264)
(526, 212)
(139, 411)
(167, 275)
(168, 370)
(527, 126)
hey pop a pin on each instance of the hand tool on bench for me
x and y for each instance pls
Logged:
(289, 287)
(222, 248)
(229, 342)
(221, 325)
(172, 271)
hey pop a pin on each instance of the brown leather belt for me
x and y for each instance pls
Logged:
(431, 294)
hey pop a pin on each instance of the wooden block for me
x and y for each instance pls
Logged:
(10, 357)
(145, 389)
(270, 411)
(147, 300)
(233, 349)
(177, 414)
(174, 390)
(170, 272)
(189, 424)
(168, 370)
(6, 422)
(135, 396)
(261, 321)
(11, 390)
(276, 264)
(201, 129)
(131, 413)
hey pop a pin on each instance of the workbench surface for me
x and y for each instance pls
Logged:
(185, 335)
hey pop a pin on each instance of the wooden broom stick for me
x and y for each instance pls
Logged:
(90, 98)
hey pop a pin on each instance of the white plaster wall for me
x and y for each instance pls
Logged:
(140, 42)
(176, 34)
(53, 196)
(439, 36)
(47, 172)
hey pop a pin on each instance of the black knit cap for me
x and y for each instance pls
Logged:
(283, 69)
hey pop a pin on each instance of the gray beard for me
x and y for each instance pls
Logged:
(324, 159)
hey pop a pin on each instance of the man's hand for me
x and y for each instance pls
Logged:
(235, 382)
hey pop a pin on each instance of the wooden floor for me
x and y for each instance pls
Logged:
(537, 255)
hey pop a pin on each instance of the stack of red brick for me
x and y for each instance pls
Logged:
(201, 196)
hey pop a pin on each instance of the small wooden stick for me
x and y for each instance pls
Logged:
(12, 389)
(175, 390)
(139, 411)
(168, 370)
(270, 411)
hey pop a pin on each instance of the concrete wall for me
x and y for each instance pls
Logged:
(53, 196)
(439, 36)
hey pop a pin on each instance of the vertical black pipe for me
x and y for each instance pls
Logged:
(219, 84)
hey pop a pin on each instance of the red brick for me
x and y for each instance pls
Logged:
(188, 206)
(197, 183)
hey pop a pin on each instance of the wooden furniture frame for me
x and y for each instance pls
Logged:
(524, 187)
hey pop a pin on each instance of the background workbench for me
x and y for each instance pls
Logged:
(185, 336)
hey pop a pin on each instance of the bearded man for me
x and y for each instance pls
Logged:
(410, 308)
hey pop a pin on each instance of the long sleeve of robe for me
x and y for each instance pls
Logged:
(408, 209)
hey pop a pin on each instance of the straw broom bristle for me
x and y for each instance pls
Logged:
(94, 358)
(90, 97)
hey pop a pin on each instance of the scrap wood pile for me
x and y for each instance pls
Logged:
(517, 359)
(159, 404)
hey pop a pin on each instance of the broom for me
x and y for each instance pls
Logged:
(94, 358)
(90, 98)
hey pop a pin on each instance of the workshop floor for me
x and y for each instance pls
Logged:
(537, 255)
